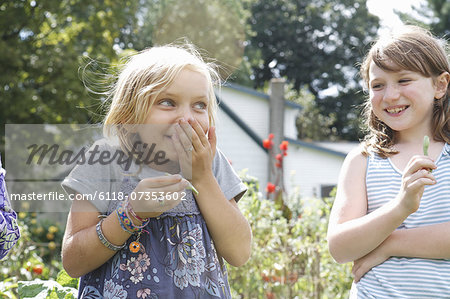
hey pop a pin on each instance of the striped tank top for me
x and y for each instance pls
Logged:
(400, 277)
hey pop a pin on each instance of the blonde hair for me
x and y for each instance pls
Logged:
(143, 77)
(415, 49)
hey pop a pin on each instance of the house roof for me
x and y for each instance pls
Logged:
(327, 147)
(260, 94)
(318, 146)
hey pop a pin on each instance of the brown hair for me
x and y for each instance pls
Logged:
(415, 49)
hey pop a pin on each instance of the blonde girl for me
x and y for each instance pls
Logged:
(158, 239)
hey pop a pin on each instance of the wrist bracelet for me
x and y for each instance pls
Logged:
(123, 218)
(125, 221)
(129, 209)
(105, 241)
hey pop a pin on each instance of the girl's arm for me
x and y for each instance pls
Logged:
(429, 242)
(82, 251)
(352, 233)
(228, 227)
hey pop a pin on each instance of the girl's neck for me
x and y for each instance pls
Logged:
(406, 150)
(412, 136)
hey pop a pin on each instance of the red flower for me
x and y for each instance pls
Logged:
(267, 143)
(270, 295)
(37, 269)
(284, 145)
(271, 136)
(270, 188)
(279, 157)
(278, 164)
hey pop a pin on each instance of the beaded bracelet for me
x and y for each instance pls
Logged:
(125, 221)
(105, 241)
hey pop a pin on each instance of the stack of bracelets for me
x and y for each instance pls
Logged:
(124, 211)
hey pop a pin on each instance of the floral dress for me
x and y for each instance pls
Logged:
(9, 231)
(177, 258)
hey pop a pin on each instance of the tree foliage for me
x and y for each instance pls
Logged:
(314, 44)
(434, 15)
(43, 45)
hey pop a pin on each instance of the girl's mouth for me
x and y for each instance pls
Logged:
(396, 110)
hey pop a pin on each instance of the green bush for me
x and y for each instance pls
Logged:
(290, 257)
(36, 256)
(64, 287)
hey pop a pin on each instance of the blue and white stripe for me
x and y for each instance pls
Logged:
(400, 277)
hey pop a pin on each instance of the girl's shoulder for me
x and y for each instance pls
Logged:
(357, 155)
(355, 163)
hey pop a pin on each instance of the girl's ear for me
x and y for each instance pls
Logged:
(442, 82)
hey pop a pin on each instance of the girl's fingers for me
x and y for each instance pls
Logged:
(212, 139)
(199, 136)
(418, 163)
(180, 148)
(184, 157)
(420, 182)
(186, 127)
(184, 135)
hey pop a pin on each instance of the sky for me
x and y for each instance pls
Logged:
(384, 9)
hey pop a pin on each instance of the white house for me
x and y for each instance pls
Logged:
(243, 123)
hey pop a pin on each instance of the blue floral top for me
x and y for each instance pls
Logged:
(177, 258)
(9, 231)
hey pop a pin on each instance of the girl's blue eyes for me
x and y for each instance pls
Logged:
(200, 105)
(166, 103)
(170, 103)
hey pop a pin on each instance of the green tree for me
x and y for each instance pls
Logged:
(216, 27)
(44, 43)
(314, 44)
(434, 14)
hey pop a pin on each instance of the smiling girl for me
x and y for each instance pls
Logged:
(391, 216)
(159, 240)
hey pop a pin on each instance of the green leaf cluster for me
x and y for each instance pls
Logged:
(64, 287)
(290, 257)
(44, 44)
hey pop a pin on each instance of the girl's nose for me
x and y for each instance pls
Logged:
(184, 113)
(391, 93)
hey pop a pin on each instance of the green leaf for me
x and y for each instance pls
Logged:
(33, 289)
(65, 280)
(426, 144)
